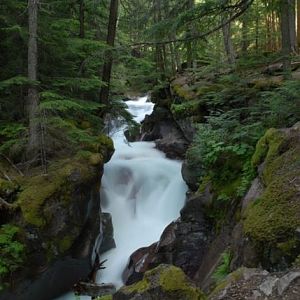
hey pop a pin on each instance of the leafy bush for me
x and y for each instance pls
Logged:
(12, 252)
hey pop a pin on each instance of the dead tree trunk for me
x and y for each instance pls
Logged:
(33, 95)
(111, 35)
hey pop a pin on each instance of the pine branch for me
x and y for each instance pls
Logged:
(244, 6)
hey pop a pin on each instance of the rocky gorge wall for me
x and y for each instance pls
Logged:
(60, 224)
(260, 230)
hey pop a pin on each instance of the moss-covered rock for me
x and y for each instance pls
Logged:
(165, 282)
(271, 221)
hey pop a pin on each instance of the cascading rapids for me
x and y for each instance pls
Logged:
(143, 191)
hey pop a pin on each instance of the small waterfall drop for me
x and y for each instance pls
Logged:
(143, 191)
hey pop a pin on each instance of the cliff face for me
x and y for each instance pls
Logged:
(59, 221)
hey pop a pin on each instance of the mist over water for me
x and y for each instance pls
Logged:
(143, 191)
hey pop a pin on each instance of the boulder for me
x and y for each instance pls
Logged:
(161, 128)
(165, 282)
(270, 221)
(108, 241)
(258, 284)
(60, 217)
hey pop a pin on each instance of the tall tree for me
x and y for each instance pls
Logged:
(298, 23)
(33, 95)
(292, 25)
(287, 43)
(229, 49)
(110, 40)
(81, 19)
(190, 32)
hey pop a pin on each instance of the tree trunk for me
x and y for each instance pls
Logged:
(81, 19)
(111, 35)
(286, 35)
(189, 44)
(292, 25)
(228, 43)
(298, 23)
(33, 95)
(245, 43)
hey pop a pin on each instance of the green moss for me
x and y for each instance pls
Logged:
(38, 189)
(107, 297)
(65, 244)
(174, 280)
(203, 90)
(276, 215)
(169, 280)
(7, 187)
(138, 287)
(228, 189)
(272, 219)
(106, 142)
(268, 147)
(186, 109)
(184, 91)
(205, 181)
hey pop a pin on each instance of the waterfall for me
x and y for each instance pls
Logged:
(142, 190)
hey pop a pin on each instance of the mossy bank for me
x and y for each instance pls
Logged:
(59, 218)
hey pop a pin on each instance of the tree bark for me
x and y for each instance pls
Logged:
(292, 25)
(33, 95)
(111, 35)
(190, 44)
(286, 35)
(229, 49)
(81, 19)
(245, 43)
(298, 23)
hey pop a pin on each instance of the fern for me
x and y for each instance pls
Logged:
(224, 268)
(12, 252)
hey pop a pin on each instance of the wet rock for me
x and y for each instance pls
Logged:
(190, 175)
(161, 128)
(108, 241)
(165, 282)
(183, 243)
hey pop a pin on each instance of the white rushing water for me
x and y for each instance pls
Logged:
(143, 191)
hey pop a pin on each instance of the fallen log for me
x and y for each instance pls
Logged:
(278, 67)
(93, 289)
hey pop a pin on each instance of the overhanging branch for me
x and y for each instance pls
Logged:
(245, 5)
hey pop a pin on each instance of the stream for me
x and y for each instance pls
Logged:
(142, 190)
